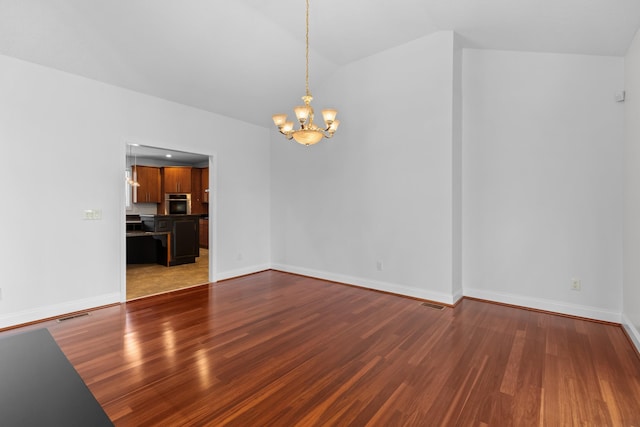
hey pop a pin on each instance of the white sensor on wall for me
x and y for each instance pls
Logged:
(620, 96)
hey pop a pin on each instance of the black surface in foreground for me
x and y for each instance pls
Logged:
(39, 387)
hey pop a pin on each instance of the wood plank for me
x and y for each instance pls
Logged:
(280, 349)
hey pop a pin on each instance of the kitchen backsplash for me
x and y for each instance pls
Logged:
(142, 209)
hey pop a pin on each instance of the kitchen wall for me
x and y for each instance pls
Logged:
(374, 206)
(631, 289)
(64, 146)
(142, 209)
(152, 208)
(542, 174)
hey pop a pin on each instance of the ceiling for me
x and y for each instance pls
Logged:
(245, 58)
(142, 154)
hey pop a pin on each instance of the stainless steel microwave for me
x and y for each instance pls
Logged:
(177, 204)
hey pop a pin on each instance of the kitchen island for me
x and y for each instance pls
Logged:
(183, 235)
(145, 247)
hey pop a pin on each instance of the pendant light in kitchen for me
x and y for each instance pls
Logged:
(133, 178)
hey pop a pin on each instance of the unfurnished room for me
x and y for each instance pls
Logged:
(320, 213)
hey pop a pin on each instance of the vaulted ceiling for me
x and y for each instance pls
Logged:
(245, 58)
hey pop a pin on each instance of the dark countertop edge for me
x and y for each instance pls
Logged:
(170, 216)
(146, 233)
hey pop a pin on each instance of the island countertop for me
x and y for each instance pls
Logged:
(170, 216)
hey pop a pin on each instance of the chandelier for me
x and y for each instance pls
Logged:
(309, 133)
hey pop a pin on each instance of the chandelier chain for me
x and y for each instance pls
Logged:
(307, 53)
(308, 133)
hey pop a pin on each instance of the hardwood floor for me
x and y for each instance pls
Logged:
(279, 349)
(150, 279)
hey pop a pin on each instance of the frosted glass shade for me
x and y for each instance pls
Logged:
(329, 115)
(302, 112)
(279, 119)
(287, 127)
(334, 126)
(307, 137)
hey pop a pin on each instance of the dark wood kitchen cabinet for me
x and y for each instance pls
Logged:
(185, 233)
(176, 179)
(205, 185)
(196, 192)
(204, 233)
(149, 190)
(185, 244)
(200, 190)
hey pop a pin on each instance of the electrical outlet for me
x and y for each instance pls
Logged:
(576, 285)
(379, 265)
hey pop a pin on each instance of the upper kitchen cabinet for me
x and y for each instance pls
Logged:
(199, 193)
(205, 185)
(149, 190)
(177, 179)
(196, 192)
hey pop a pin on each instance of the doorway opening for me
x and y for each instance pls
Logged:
(165, 250)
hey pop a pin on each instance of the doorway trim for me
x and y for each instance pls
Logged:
(212, 213)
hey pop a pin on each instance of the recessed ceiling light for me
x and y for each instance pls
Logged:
(167, 155)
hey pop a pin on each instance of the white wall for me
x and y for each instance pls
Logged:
(456, 132)
(63, 150)
(542, 174)
(542, 149)
(381, 190)
(631, 289)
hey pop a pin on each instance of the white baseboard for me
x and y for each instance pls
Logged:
(224, 275)
(393, 288)
(546, 305)
(457, 296)
(632, 331)
(39, 313)
(35, 314)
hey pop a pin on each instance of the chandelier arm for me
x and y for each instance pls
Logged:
(289, 135)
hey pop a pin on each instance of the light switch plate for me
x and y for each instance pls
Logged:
(92, 214)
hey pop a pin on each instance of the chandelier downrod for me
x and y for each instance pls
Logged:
(308, 133)
(306, 38)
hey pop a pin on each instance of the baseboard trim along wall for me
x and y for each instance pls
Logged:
(457, 296)
(52, 311)
(224, 275)
(631, 330)
(588, 312)
(448, 299)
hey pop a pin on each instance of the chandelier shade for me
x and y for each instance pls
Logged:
(308, 132)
